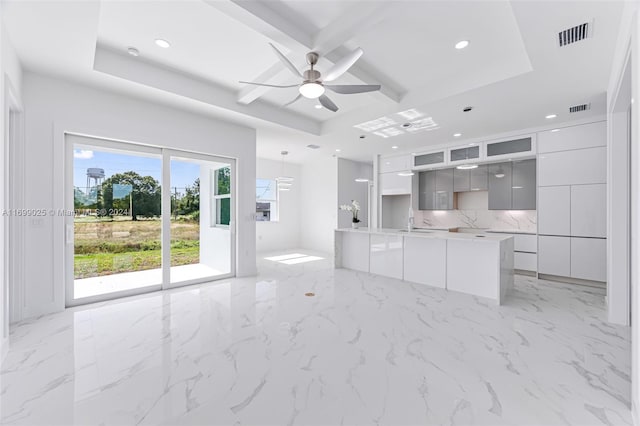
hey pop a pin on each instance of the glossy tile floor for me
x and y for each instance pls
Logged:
(364, 350)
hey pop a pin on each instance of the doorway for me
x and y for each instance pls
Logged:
(141, 219)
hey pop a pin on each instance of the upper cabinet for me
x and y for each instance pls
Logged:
(523, 188)
(394, 184)
(500, 186)
(575, 137)
(395, 163)
(512, 185)
(511, 148)
(435, 190)
(464, 154)
(429, 160)
(575, 167)
(470, 180)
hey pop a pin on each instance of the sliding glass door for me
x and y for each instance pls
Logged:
(140, 219)
(201, 228)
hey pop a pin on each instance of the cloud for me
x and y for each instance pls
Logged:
(82, 154)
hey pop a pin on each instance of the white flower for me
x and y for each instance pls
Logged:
(356, 205)
(346, 207)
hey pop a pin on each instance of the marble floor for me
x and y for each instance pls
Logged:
(364, 350)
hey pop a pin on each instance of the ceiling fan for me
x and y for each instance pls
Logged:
(313, 86)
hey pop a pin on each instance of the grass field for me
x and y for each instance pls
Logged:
(105, 247)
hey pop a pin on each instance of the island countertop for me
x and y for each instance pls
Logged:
(479, 264)
(480, 236)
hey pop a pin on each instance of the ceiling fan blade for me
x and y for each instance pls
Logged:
(343, 65)
(328, 103)
(268, 85)
(348, 89)
(285, 61)
(289, 103)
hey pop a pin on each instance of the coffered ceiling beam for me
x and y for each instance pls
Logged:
(277, 22)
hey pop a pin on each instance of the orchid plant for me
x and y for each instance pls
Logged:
(354, 208)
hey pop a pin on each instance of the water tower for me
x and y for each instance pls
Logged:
(95, 174)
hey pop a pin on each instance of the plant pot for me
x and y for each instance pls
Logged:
(354, 225)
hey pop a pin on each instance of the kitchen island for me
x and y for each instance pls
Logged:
(478, 264)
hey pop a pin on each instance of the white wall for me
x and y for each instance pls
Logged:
(10, 82)
(629, 40)
(285, 233)
(53, 107)
(349, 189)
(319, 204)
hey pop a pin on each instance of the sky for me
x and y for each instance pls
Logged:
(182, 173)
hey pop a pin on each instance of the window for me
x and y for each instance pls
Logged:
(266, 200)
(221, 200)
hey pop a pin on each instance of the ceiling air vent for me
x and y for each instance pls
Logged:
(579, 108)
(313, 146)
(574, 34)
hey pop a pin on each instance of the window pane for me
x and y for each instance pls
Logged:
(265, 189)
(223, 181)
(223, 208)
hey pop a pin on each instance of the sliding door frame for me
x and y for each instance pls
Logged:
(165, 155)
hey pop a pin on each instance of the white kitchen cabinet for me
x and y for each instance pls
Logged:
(429, 160)
(589, 259)
(577, 167)
(507, 149)
(526, 243)
(355, 250)
(574, 137)
(554, 210)
(395, 163)
(525, 261)
(391, 184)
(425, 261)
(554, 255)
(589, 211)
(386, 255)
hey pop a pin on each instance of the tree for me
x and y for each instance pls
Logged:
(146, 194)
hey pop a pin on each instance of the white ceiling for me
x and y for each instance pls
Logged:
(513, 72)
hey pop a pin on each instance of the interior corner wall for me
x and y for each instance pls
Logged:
(10, 79)
(318, 209)
(349, 189)
(53, 107)
(284, 233)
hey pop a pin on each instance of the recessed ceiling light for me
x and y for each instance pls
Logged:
(457, 135)
(163, 43)
(555, 130)
(338, 149)
(462, 44)
(133, 51)
(394, 147)
(317, 106)
(551, 116)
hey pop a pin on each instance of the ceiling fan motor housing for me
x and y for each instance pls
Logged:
(311, 76)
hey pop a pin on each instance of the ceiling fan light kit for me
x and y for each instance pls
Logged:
(313, 86)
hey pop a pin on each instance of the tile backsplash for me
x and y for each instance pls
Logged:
(524, 220)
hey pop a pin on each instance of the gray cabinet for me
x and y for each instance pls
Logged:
(500, 191)
(435, 190)
(461, 180)
(426, 190)
(512, 185)
(523, 185)
(470, 180)
(478, 179)
(444, 189)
